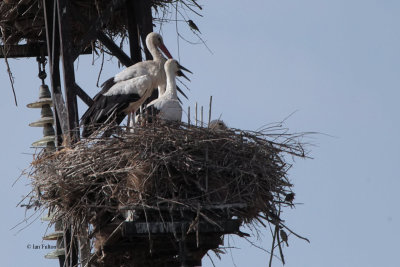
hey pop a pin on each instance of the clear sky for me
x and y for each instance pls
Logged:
(336, 63)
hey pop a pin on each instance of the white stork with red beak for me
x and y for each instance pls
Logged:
(128, 90)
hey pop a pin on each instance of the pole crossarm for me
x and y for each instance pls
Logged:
(114, 49)
(24, 50)
(95, 26)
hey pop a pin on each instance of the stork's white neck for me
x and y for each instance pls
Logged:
(171, 85)
(155, 52)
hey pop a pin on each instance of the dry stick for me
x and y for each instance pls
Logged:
(189, 116)
(191, 9)
(101, 66)
(208, 255)
(279, 241)
(177, 31)
(10, 76)
(201, 116)
(299, 236)
(280, 249)
(209, 112)
(196, 114)
(206, 185)
(194, 2)
(273, 245)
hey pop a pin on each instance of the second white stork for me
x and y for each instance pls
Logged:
(126, 91)
(167, 106)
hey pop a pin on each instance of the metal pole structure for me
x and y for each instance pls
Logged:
(51, 19)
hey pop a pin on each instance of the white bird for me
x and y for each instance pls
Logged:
(167, 106)
(217, 125)
(126, 91)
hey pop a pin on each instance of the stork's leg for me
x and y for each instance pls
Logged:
(129, 120)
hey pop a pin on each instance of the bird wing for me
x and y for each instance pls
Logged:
(137, 85)
(165, 109)
(111, 105)
(171, 110)
(136, 70)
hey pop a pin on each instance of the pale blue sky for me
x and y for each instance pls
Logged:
(337, 63)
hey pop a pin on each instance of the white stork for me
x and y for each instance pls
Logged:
(126, 91)
(167, 106)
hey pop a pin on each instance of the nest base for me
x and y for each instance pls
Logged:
(160, 243)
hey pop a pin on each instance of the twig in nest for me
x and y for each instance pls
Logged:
(101, 66)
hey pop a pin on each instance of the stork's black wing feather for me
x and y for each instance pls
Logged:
(107, 85)
(106, 109)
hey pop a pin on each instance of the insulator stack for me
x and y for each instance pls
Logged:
(46, 120)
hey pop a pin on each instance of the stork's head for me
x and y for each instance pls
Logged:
(155, 40)
(173, 66)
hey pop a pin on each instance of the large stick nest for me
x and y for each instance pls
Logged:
(169, 163)
(168, 167)
(24, 19)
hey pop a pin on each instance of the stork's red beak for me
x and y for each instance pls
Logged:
(165, 50)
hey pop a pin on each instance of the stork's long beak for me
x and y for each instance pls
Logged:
(183, 68)
(181, 74)
(165, 50)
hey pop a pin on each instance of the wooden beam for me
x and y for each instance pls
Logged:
(94, 26)
(29, 50)
(66, 47)
(24, 50)
(115, 50)
(144, 228)
(82, 95)
(133, 31)
(95, 32)
(145, 22)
